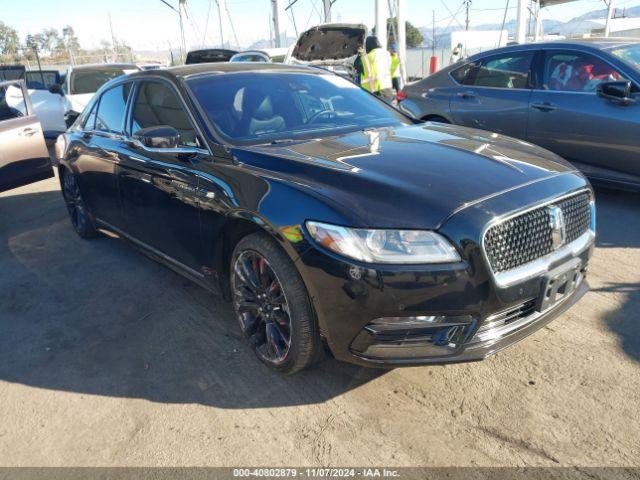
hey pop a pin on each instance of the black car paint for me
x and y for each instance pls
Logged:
(188, 210)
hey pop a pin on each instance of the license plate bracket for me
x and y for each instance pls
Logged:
(560, 283)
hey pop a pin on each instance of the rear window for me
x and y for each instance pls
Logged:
(90, 80)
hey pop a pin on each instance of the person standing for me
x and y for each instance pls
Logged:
(374, 69)
(396, 75)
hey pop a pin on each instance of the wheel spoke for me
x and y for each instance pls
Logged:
(276, 342)
(261, 306)
(249, 274)
(250, 322)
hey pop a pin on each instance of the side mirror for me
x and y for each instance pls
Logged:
(56, 89)
(70, 117)
(619, 91)
(161, 136)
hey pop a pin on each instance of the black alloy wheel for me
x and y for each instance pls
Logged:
(76, 206)
(262, 306)
(272, 305)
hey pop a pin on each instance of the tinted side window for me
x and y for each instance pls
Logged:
(90, 122)
(463, 74)
(504, 71)
(156, 104)
(110, 113)
(576, 72)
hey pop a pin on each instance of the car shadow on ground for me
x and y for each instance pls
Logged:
(618, 225)
(97, 317)
(617, 218)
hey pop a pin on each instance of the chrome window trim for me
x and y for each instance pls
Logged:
(483, 58)
(185, 106)
(540, 265)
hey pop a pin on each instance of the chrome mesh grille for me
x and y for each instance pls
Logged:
(527, 237)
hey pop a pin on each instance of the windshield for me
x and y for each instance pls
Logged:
(260, 108)
(90, 80)
(629, 54)
(41, 80)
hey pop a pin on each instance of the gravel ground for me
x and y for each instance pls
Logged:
(107, 358)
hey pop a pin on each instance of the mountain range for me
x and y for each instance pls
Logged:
(576, 26)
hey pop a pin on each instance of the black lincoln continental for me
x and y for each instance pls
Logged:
(328, 217)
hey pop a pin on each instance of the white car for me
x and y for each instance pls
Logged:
(48, 106)
(273, 55)
(83, 81)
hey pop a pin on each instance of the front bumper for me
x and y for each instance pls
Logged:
(451, 308)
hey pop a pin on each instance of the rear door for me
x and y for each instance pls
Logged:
(23, 153)
(568, 117)
(100, 153)
(493, 93)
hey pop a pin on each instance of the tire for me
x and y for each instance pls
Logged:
(278, 320)
(77, 208)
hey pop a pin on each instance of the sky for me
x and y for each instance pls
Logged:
(150, 25)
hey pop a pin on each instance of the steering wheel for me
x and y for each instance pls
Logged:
(323, 113)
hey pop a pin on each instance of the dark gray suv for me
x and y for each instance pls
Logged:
(579, 99)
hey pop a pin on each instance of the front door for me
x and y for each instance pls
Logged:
(101, 152)
(159, 187)
(494, 93)
(23, 153)
(568, 117)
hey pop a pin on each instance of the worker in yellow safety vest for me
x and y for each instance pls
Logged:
(396, 75)
(374, 69)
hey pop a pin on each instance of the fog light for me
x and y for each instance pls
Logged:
(421, 336)
(421, 321)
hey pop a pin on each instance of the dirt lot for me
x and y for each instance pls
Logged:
(107, 358)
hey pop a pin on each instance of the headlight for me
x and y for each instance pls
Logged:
(384, 246)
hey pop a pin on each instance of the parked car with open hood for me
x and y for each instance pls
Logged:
(333, 46)
(579, 99)
(328, 216)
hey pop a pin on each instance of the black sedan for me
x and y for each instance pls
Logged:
(579, 99)
(328, 217)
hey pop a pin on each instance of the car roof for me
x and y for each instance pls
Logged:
(585, 43)
(93, 66)
(186, 71)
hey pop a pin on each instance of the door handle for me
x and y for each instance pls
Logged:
(466, 95)
(544, 107)
(29, 132)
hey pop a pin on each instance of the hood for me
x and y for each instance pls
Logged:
(409, 176)
(331, 42)
(78, 102)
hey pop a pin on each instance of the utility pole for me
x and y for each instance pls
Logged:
(467, 4)
(113, 40)
(402, 37)
(275, 7)
(178, 10)
(381, 24)
(220, 4)
(327, 11)
(607, 25)
(184, 44)
(433, 35)
(521, 22)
